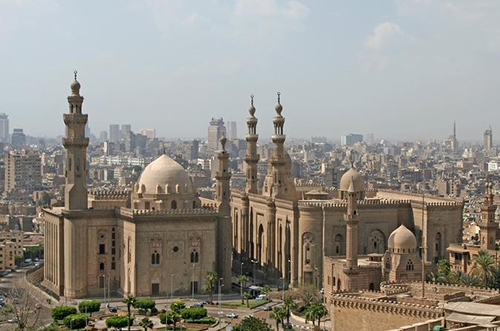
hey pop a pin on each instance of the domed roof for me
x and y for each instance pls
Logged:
(352, 176)
(162, 172)
(402, 238)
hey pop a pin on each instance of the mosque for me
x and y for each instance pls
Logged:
(159, 240)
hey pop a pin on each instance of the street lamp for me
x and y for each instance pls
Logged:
(283, 288)
(254, 262)
(171, 287)
(220, 287)
(104, 286)
(241, 268)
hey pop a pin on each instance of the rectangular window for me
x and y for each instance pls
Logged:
(102, 249)
(113, 265)
(113, 235)
(113, 251)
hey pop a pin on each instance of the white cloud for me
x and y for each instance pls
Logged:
(256, 7)
(296, 10)
(382, 35)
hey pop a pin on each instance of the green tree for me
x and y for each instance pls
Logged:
(60, 312)
(146, 323)
(89, 306)
(315, 312)
(309, 294)
(444, 270)
(243, 280)
(289, 305)
(177, 306)
(247, 297)
(266, 289)
(211, 278)
(77, 321)
(251, 323)
(483, 267)
(119, 322)
(469, 280)
(129, 300)
(144, 304)
(193, 313)
(174, 317)
(278, 315)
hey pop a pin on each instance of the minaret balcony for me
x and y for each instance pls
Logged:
(75, 118)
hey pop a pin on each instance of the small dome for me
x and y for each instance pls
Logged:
(251, 110)
(352, 176)
(402, 238)
(165, 173)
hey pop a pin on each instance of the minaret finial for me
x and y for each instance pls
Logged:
(75, 72)
(251, 99)
(279, 97)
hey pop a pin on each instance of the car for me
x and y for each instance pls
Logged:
(232, 315)
(268, 308)
(197, 305)
(13, 320)
(261, 297)
(113, 309)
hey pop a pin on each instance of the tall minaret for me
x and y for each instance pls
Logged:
(224, 250)
(76, 145)
(252, 158)
(454, 142)
(275, 182)
(351, 219)
(488, 227)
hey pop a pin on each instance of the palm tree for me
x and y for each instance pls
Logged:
(289, 305)
(310, 314)
(242, 279)
(469, 280)
(209, 286)
(483, 266)
(320, 311)
(146, 323)
(175, 317)
(247, 297)
(129, 300)
(315, 312)
(278, 315)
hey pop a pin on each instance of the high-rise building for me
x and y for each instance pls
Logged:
(150, 133)
(103, 136)
(18, 138)
(4, 128)
(351, 139)
(370, 140)
(114, 133)
(126, 128)
(232, 132)
(215, 131)
(488, 139)
(23, 171)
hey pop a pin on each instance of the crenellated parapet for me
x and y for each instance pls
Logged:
(109, 194)
(140, 213)
(386, 306)
(362, 204)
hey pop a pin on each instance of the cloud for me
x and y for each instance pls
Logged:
(296, 10)
(382, 35)
(293, 10)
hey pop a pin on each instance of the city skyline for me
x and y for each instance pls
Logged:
(403, 70)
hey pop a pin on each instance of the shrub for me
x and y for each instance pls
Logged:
(119, 322)
(154, 310)
(144, 304)
(163, 318)
(59, 313)
(194, 313)
(205, 320)
(89, 306)
(77, 321)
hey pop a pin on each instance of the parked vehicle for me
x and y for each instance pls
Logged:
(231, 315)
(197, 305)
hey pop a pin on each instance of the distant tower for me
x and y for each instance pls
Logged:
(351, 219)
(224, 250)
(275, 183)
(75, 144)
(453, 140)
(252, 158)
(488, 139)
(488, 227)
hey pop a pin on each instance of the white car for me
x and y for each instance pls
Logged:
(231, 315)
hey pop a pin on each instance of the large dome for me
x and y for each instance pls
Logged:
(402, 238)
(352, 174)
(162, 172)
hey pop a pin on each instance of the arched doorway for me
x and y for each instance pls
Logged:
(260, 241)
(338, 245)
(438, 246)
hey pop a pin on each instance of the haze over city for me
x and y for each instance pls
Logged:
(400, 69)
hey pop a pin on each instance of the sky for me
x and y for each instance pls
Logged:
(401, 69)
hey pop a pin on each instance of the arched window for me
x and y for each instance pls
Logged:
(371, 287)
(173, 205)
(195, 256)
(155, 258)
(101, 266)
(194, 204)
(410, 266)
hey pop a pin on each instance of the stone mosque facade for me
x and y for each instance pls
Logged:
(358, 237)
(160, 240)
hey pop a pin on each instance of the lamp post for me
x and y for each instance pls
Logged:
(254, 262)
(171, 286)
(283, 288)
(104, 286)
(220, 287)
(289, 272)
(241, 268)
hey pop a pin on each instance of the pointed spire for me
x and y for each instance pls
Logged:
(251, 110)
(75, 86)
(223, 143)
(279, 107)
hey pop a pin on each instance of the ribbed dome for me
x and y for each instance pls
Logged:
(162, 172)
(402, 238)
(352, 176)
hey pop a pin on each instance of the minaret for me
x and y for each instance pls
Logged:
(351, 219)
(252, 158)
(488, 139)
(75, 144)
(454, 142)
(224, 250)
(488, 227)
(275, 184)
